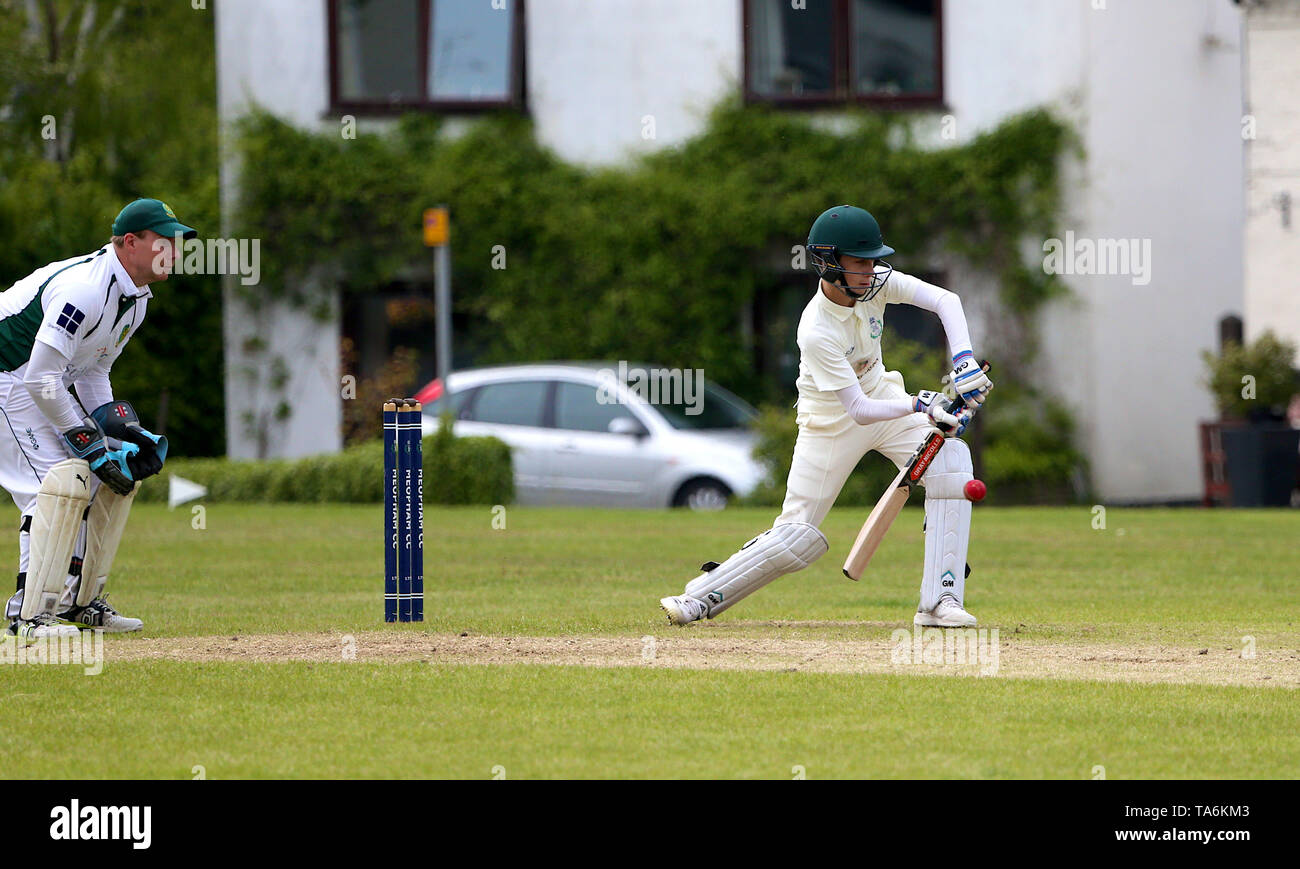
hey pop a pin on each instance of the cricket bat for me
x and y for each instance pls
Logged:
(891, 503)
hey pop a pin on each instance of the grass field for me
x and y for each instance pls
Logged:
(1165, 644)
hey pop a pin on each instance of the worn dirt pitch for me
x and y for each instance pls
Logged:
(1015, 658)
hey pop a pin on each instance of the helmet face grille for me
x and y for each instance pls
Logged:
(827, 265)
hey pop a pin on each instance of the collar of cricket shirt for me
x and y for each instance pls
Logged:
(839, 312)
(125, 286)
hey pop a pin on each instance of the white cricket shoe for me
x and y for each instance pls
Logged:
(43, 627)
(683, 609)
(947, 614)
(98, 614)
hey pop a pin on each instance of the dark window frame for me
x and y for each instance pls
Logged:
(842, 68)
(518, 76)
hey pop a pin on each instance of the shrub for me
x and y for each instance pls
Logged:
(470, 470)
(1267, 362)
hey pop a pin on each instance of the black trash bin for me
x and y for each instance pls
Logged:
(1262, 461)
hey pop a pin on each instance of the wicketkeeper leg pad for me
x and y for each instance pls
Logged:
(947, 525)
(56, 523)
(104, 526)
(777, 551)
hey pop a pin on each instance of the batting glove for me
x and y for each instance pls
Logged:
(967, 379)
(936, 406)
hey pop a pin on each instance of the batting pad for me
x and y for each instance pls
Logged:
(949, 472)
(777, 551)
(104, 526)
(947, 525)
(56, 523)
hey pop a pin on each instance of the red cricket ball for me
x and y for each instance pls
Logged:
(976, 490)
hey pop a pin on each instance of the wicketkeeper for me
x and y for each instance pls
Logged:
(848, 405)
(70, 454)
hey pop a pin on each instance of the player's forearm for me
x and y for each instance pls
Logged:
(865, 411)
(43, 378)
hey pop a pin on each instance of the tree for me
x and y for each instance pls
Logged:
(103, 101)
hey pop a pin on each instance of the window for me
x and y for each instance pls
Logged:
(577, 409)
(876, 52)
(451, 403)
(456, 55)
(718, 409)
(517, 403)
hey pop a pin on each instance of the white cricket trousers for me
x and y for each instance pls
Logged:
(829, 447)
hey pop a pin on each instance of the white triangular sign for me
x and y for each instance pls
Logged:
(180, 490)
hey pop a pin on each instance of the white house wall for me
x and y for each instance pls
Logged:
(1272, 247)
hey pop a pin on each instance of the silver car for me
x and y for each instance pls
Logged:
(580, 434)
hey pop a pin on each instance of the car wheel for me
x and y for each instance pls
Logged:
(702, 495)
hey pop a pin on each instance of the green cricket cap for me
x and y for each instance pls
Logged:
(151, 214)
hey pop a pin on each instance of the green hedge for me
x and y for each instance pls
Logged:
(470, 470)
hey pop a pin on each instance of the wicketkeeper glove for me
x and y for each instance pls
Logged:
(119, 420)
(87, 442)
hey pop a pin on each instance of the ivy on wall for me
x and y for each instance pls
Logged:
(653, 260)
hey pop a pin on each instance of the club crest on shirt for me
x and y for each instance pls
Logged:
(876, 327)
(121, 336)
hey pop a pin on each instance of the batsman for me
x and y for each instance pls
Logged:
(71, 455)
(849, 404)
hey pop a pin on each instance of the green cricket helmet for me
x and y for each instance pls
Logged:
(845, 229)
